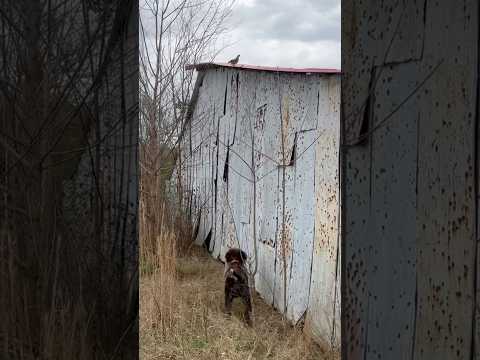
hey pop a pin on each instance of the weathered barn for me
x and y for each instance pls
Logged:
(258, 169)
(410, 180)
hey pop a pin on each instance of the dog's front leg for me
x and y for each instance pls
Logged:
(248, 306)
(228, 301)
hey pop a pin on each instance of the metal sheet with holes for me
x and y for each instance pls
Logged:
(265, 127)
(446, 243)
(376, 33)
(391, 269)
(303, 218)
(410, 223)
(267, 235)
(323, 316)
(220, 188)
(203, 132)
(285, 209)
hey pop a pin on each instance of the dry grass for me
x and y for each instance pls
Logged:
(181, 298)
(49, 304)
(199, 330)
(39, 319)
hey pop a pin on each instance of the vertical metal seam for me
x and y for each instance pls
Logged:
(476, 199)
(343, 285)
(416, 262)
(314, 228)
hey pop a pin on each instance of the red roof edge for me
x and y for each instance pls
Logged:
(205, 66)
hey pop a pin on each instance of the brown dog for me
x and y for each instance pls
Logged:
(236, 282)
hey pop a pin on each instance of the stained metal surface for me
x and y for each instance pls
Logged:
(255, 129)
(303, 219)
(410, 178)
(324, 300)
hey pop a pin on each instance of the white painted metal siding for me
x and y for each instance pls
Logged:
(324, 303)
(410, 238)
(239, 112)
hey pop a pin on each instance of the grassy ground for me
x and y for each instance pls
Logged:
(190, 323)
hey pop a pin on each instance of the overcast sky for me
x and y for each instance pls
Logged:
(292, 33)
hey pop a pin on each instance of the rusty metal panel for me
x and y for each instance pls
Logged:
(265, 276)
(204, 126)
(303, 219)
(267, 223)
(221, 207)
(323, 315)
(266, 172)
(231, 237)
(446, 205)
(391, 270)
(268, 94)
(298, 102)
(283, 256)
(376, 34)
(196, 166)
(301, 91)
(232, 187)
(240, 193)
(213, 129)
(357, 245)
(231, 102)
(199, 178)
(410, 285)
(241, 147)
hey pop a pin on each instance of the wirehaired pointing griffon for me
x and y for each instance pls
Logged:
(236, 282)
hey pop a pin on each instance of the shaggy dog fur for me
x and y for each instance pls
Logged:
(236, 282)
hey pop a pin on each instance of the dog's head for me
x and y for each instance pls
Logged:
(237, 255)
(235, 271)
(235, 265)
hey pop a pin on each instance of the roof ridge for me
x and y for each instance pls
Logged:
(211, 65)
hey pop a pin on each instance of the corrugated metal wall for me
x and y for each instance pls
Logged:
(281, 129)
(410, 179)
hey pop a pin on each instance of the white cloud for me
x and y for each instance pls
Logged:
(303, 33)
(285, 33)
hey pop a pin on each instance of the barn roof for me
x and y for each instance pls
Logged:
(215, 65)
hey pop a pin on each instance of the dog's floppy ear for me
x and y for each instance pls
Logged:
(228, 256)
(243, 254)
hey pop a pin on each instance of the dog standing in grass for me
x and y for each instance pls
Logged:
(236, 282)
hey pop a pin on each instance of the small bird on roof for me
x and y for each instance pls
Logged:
(234, 61)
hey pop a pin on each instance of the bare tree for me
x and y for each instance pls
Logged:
(173, 34)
